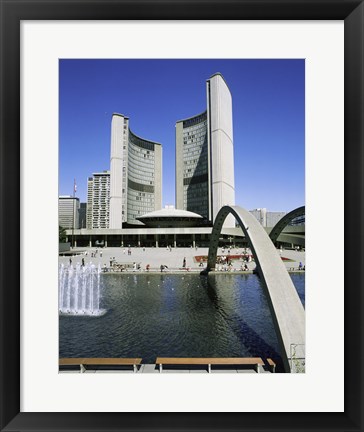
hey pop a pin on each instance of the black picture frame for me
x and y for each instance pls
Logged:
(12, 12)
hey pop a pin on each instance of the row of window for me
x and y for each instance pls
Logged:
(192, 122)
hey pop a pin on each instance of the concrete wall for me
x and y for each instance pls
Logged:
(116, 170)
(221, 146)
(179, 165)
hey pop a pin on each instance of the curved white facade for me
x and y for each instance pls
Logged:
(135, 174)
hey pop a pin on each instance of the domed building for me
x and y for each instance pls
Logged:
(169, 217)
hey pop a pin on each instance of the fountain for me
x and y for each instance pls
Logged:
(79, 290)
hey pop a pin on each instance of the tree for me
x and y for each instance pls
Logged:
(62, 234)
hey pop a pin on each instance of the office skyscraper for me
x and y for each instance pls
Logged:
(68, 208)
(135, 174)
(205, 155)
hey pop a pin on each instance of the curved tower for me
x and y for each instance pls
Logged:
(192, 179)
(135, 174)
(205, 155)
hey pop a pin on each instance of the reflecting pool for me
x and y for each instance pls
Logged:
(168, 315)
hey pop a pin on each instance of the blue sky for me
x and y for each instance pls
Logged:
(268, 120)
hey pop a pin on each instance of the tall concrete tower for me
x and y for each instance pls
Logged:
(220, 144)
(118, 164)
(205, 155)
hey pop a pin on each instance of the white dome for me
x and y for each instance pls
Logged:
(170, 217)
(170, 213)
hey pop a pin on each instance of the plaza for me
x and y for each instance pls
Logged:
(170, 257)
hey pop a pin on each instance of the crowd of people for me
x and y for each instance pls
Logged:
(225, 261)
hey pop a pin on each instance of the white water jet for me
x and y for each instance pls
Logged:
(80, 290)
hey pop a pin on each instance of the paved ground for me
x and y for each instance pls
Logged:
(172, 258)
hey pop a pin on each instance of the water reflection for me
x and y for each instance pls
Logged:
(263, 344)
(175, 316)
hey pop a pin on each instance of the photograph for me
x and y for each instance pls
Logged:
(179, 151)
(181, 215)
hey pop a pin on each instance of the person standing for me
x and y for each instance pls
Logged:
(184, 262)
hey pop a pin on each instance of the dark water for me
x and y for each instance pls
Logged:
(224, 315)
(298, 280)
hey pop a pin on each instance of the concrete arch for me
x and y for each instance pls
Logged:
(282, 223)
(285, 306)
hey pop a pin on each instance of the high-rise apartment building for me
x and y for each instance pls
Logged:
(205, 155)
(68, 208)
(135, 174)
(98, 200)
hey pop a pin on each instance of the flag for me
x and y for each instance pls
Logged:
(74, 186)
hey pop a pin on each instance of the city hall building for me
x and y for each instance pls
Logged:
(204, 183)
(205, 155)
(135, 175)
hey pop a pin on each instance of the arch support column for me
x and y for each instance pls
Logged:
(285, 306)
(282, 223)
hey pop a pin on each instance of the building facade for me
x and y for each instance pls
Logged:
(273, 218)
(260, 215)
(205, 155)
(135, 174)
(98, 200)
(68, 212)
(266, 218)
(82, 215)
